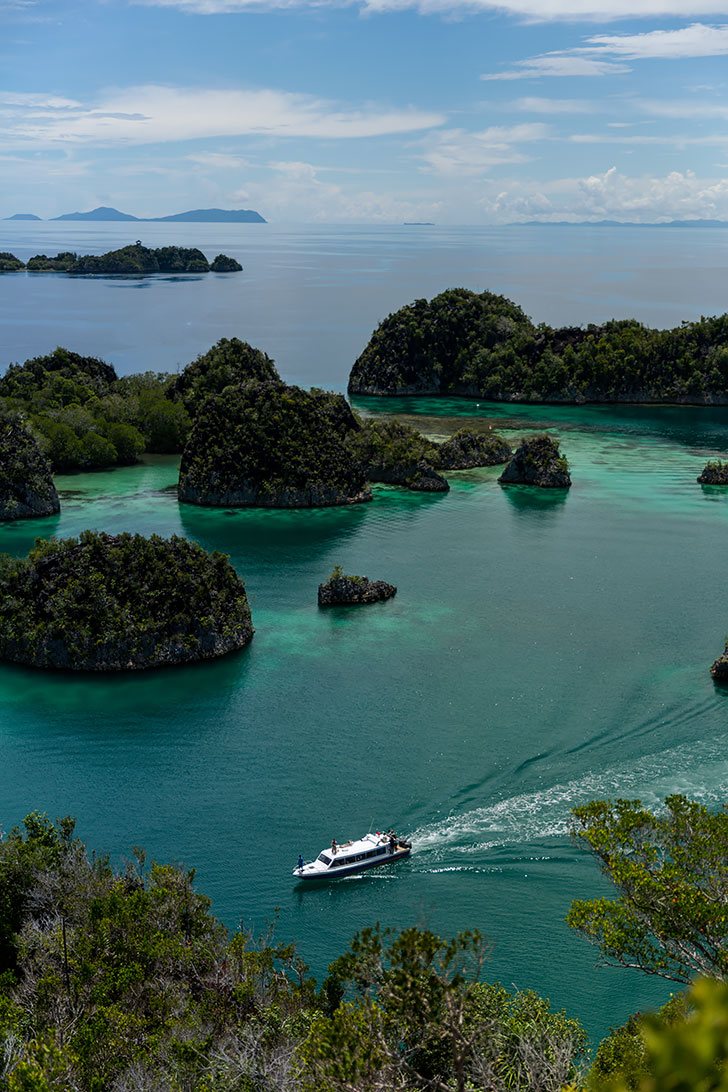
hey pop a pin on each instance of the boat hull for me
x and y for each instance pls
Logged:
(350, 870)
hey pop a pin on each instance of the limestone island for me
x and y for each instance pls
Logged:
(538, 461)
(26, 483)
(341, 590)
(230, 361)
(9, 263)
(135, 260)
(120, 603)
(482, 345)
(271, 445)
(714, 472)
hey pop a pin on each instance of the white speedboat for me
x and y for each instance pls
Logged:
(346, 858)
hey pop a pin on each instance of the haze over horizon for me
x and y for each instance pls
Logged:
(391, 110)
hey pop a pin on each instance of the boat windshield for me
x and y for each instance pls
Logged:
(324, 859)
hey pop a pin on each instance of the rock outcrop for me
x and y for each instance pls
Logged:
(270, 445)
(26, 483)
(714, 473)
(467, 449)
(719, 669)
(223, 264)
(537, 461)
(136, 259)
(341, 590)
(120, 603)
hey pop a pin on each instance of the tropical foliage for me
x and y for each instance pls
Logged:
(85, 417)
(26, 484)
(271, 445)
(119, 602)
(229, 362)
(482, 344)
(671, 872)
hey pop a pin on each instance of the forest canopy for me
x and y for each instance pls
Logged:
(483, 345)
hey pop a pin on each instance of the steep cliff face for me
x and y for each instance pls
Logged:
(537, 461)
(341, 590)
(120, 603)
(270, 445)
(26, 483)
(468, 449)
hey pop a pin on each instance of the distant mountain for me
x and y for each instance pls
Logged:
(101, 213)
(212, 216)
(23, 216)
(195, 216)
(624, 223)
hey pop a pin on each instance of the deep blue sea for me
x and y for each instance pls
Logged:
(542, 650)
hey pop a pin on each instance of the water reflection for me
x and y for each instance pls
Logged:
(530, 499)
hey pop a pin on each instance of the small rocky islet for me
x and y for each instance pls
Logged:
(135, 259)
(342, 590)
(715, 472)
(122, 602)
(538, 461)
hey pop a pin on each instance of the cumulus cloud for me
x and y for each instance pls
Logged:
(534, 10)
(612, 196)
(155, 115)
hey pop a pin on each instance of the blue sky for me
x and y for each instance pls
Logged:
(379, 111)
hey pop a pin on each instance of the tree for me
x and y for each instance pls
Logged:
(687, 1055)
(408, 1012)
(671, 872)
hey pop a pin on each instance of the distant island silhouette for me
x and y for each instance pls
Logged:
(621, 223)
(194, 216)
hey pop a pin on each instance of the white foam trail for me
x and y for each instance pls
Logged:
(698, 770)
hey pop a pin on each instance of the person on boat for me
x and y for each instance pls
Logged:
(392, 842)
(300, 861)
(334, 846)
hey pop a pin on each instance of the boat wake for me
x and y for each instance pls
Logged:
(700, 770)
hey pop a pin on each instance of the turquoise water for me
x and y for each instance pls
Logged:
(542, 650)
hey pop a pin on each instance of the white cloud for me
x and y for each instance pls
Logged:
(535, 10)
(697, 40)
(534, 105)
(611, 196)
(154, 115)
(219, 160)
(558, 64)
(457, 152)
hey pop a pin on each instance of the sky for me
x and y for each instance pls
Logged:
(367, 111)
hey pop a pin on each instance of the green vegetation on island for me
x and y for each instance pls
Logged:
(85, 417)
(270, 445)
(483, 345)
(9, 263)
(396, 454)
(135, 259)
(119, 603)
(228, 363)
(121, 978)
(537, 461)
(467, 449)
(26, 483)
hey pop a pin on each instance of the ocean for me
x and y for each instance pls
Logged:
(542, 650)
